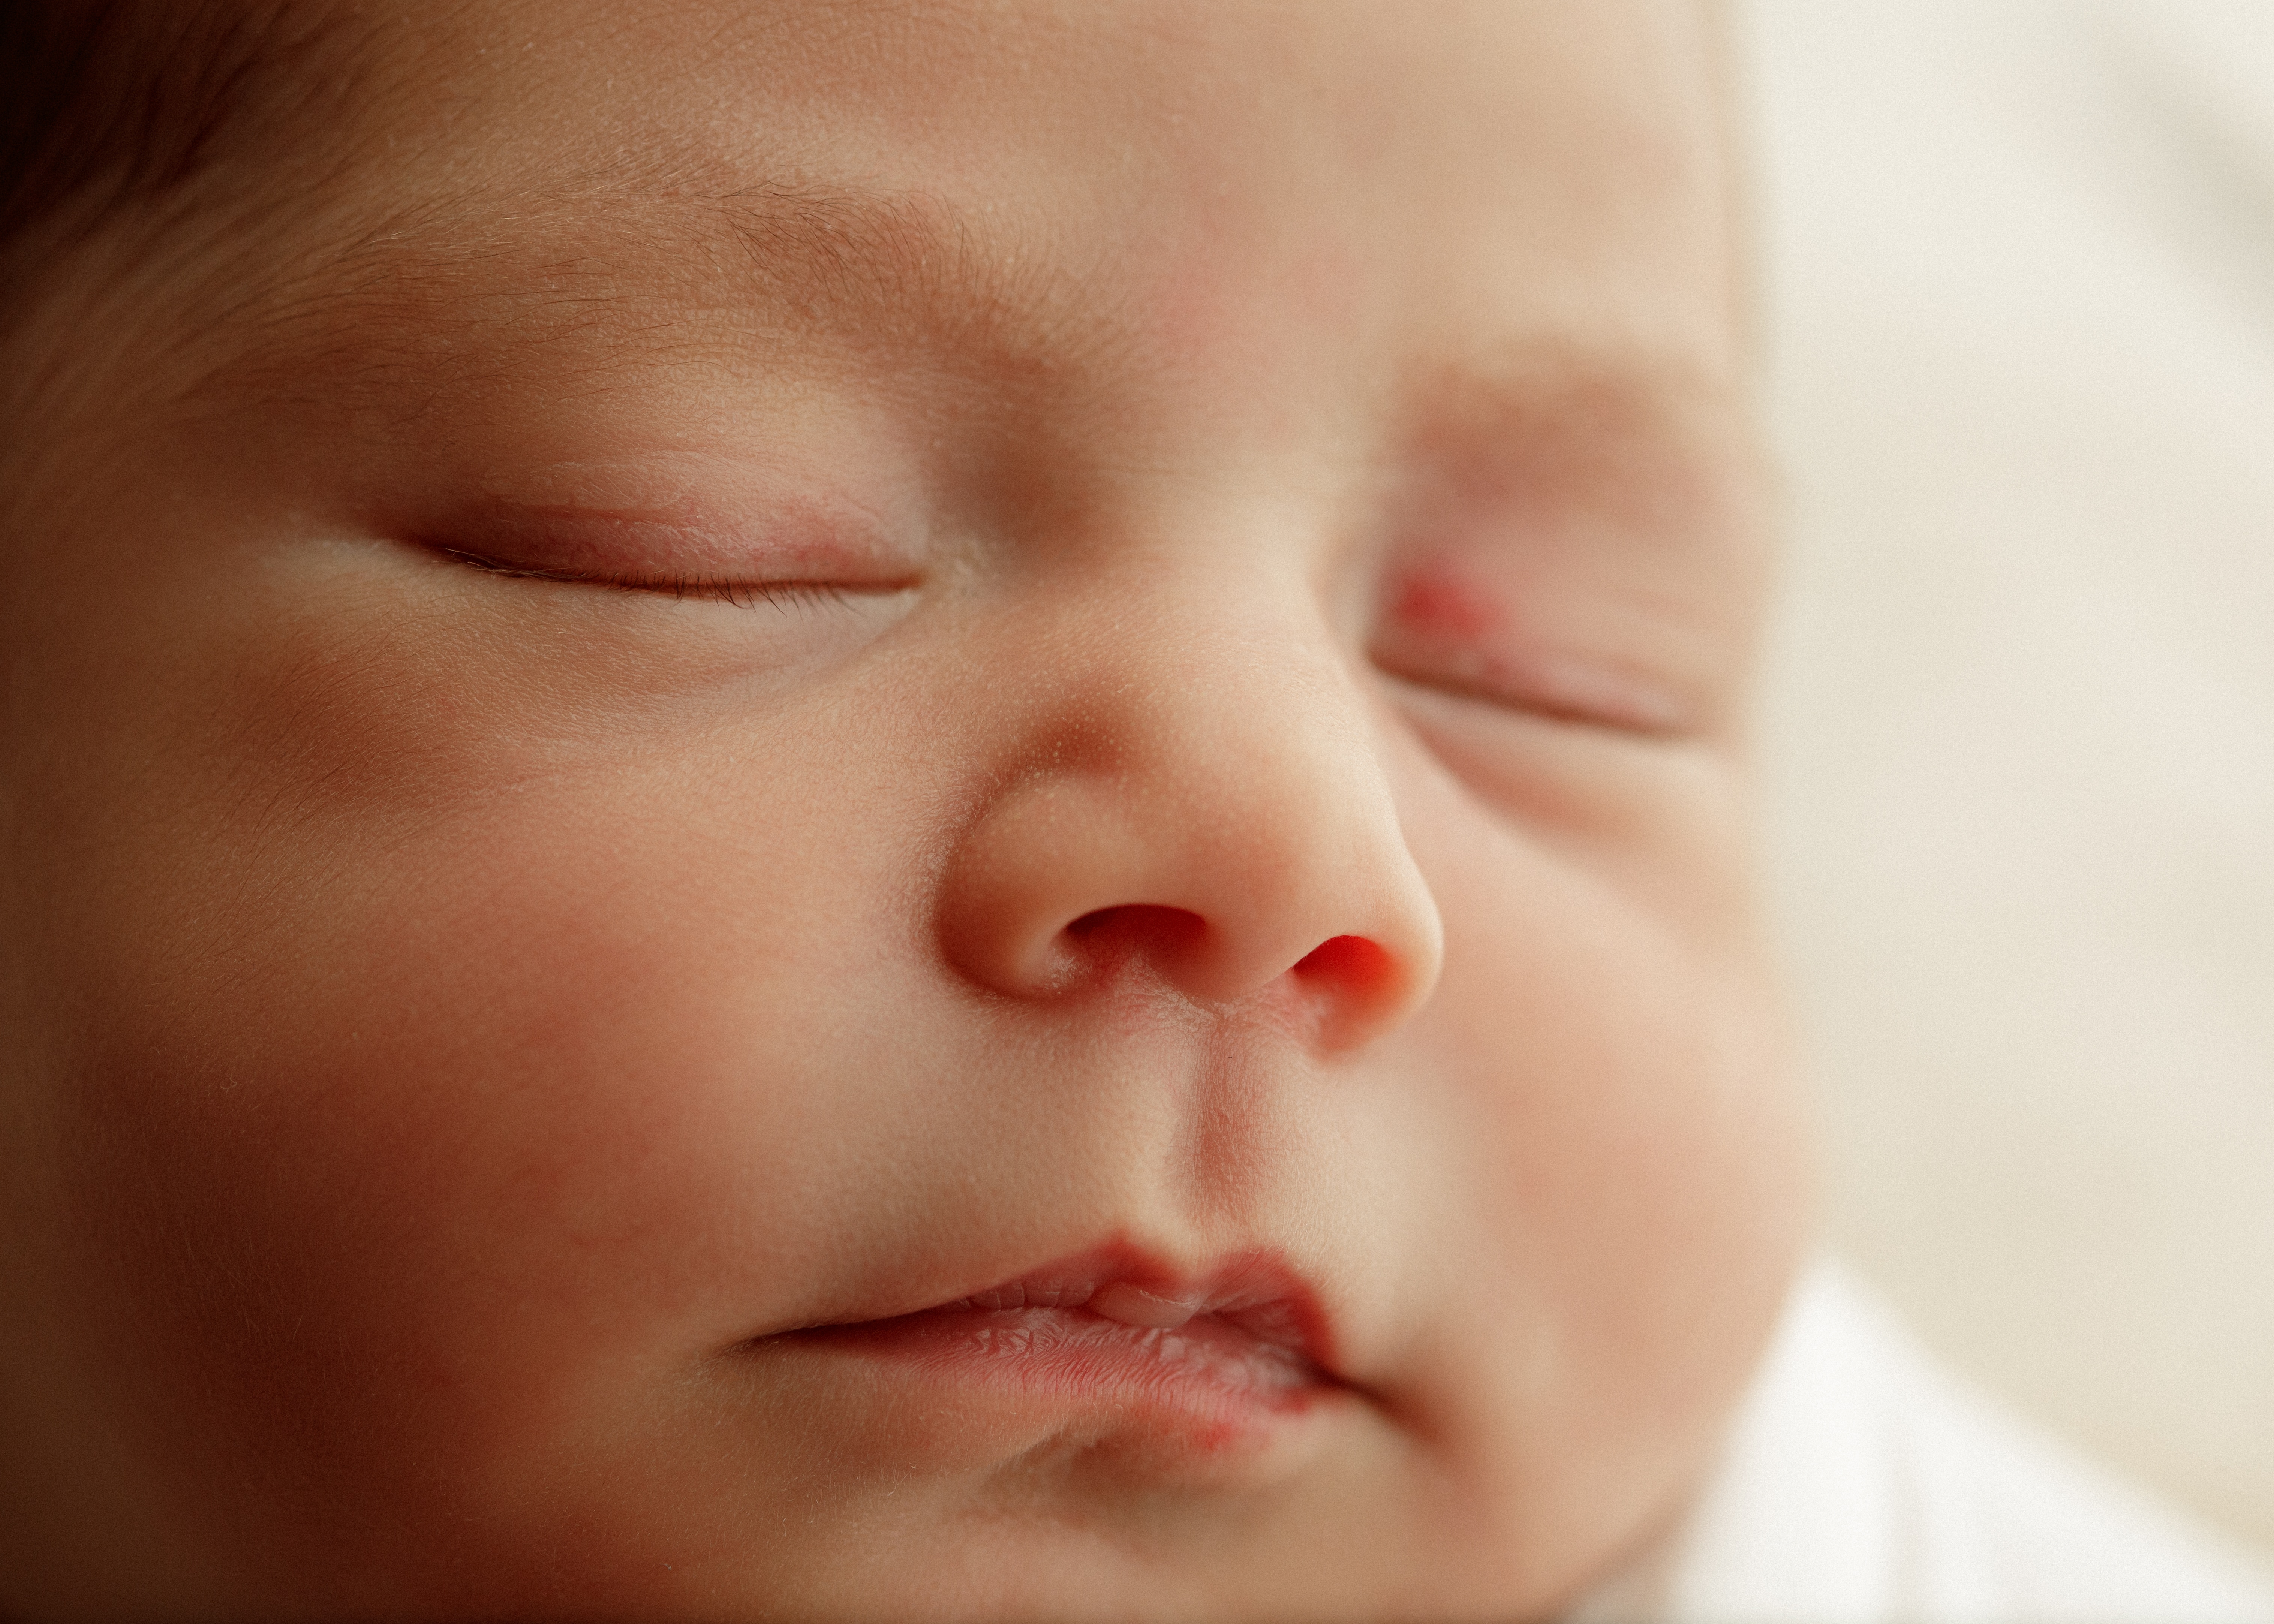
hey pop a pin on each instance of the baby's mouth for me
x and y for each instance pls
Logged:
(1245, 1336)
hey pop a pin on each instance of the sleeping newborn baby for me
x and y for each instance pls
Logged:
(916, 810)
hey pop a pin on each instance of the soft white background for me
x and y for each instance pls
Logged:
(2020, 261)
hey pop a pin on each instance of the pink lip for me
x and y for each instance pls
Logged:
(1233, 1345)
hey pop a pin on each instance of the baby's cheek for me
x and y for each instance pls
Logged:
(445, 1090)
(1629, 1155)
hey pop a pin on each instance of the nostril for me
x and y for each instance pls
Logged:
(1165, 933)
(1352, 961)
(1347, 981)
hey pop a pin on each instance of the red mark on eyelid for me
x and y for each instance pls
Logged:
(1446, 604)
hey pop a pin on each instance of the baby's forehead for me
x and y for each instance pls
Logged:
(984, 208)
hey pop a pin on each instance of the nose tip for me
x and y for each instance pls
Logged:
(1081, 880)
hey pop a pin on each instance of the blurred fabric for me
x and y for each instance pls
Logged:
(2020, 279)
(1863, 1485)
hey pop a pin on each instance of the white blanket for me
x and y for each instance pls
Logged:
(1862, 1484)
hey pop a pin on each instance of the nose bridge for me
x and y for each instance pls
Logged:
(1198, 779)
(1248, 758)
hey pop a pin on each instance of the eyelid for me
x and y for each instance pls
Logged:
(786, 540)
(819, 499)
(1563, 687)
(1468, 652)
(711, 588)
(801, 542)
(1542, 643)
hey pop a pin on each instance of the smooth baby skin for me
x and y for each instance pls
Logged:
(680, 676)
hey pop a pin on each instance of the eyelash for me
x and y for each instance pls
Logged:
(786, 595)
(1650, 724)
(706, 589)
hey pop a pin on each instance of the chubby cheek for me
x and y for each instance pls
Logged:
(1633, 1173)
(447, 1105)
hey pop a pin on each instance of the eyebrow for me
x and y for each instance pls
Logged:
(1576, 414)
(822, 264)
(853, 246)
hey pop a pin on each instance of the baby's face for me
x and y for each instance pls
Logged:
(682, 686)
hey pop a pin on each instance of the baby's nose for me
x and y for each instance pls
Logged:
(1212, 814)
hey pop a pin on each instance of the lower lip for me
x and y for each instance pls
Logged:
(1207, 1370)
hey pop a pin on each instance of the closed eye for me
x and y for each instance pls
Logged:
(1568, 688)
(703, 588)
